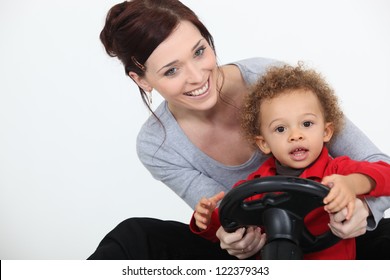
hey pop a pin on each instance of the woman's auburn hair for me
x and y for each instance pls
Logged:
(134, 29)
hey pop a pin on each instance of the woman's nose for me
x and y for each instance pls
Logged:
(194, 73)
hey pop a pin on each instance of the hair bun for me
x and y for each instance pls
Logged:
(107, 35)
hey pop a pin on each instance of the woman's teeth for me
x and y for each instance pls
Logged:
(198, 91)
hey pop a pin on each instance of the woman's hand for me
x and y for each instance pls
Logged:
(355, 226)
(243, 243)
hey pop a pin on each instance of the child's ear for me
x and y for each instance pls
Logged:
(141, 82)
(262, 144)
(328, 131)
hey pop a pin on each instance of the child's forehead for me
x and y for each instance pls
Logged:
(290, 102)
(294, 93)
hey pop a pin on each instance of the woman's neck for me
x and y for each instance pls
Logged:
(217, 132)
(233, 84)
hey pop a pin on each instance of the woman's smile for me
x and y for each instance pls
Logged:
(200, 91)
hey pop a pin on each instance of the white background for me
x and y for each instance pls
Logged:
(69, 116)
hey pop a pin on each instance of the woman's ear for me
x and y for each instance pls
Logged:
(328, 131)
(141, 82)
(262, 144)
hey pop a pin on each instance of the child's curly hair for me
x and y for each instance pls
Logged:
(281, 80)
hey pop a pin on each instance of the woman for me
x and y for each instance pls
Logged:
(187, 142)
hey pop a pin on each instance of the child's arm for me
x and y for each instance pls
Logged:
(344, 189)
(204, 209)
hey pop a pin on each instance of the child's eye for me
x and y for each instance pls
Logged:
(280, 129)
(200, 51)
(307, 124)
(170, 72)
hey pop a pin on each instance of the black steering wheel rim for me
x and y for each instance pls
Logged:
(293, 196)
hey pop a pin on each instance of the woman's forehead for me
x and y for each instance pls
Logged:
(179, 45)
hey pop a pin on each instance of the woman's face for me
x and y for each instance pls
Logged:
(183, 70)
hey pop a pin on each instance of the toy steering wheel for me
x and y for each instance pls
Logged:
(281, 211)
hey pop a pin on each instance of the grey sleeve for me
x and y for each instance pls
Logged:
(253, 68)
(355, 144)
(175, 171)
(377, 205)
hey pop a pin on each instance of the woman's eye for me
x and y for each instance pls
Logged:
(170, 72)
(280, 129)
(200, 51)
(307, 124)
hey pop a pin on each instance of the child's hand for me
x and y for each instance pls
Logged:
(205, 208)
(342, 194)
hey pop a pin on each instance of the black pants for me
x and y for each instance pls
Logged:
(146, 238)
(152, 239)
(375, 245)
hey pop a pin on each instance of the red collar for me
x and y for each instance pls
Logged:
(314, 172)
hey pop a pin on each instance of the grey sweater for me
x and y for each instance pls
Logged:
(172, 159)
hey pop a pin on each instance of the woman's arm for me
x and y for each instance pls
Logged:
(377, 206)
(354, 143)
(172, 159)
(175, 172)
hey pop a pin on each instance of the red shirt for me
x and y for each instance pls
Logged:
(317, 221)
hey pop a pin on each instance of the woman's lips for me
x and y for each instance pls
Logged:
(199, 91)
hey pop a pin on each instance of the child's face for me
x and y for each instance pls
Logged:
(293, 128)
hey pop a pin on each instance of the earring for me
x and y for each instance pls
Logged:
(149, 97)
